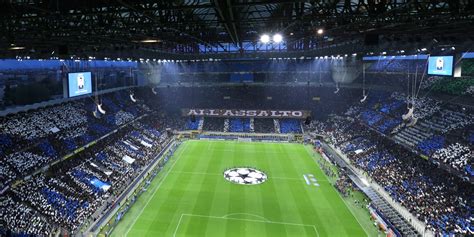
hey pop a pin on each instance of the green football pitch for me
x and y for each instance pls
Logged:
(191, 197)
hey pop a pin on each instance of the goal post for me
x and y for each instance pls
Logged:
(244, 139)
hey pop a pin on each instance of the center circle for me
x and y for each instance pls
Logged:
(246, 176)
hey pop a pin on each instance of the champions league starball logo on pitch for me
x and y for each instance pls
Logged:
(246, 176)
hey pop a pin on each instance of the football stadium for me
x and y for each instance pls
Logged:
(245, 118)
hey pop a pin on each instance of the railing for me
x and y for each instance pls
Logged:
(253, 136)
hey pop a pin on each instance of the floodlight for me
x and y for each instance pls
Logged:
(277, 38)
(265, 38)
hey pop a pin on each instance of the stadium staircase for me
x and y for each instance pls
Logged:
(391, 214)
(226, 125)
(201, 124)
(276, 124)
(252, 126)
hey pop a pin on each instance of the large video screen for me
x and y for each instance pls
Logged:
(440, 65)
(79, 83)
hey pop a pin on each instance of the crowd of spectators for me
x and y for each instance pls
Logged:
(24, 162)
(33, 139)
(326, 168)
(424, 106)
(193, 123)
(460, 86)
(22, 219)
(214, 124)
(68, 197)
(457, 156)
(290, 126)
(264, 126)
(438, 126)
(344, 185)
(442, 200)
(239, 125)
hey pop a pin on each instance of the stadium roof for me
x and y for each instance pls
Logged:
(75, 27)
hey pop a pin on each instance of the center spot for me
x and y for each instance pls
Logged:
(247, 176)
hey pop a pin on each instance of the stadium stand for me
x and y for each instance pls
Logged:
(69, 197)
(290, 126)
(421, 187)
(263, 125)
(239, 125)
(214, 124)
(193, 125)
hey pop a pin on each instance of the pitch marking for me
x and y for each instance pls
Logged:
(156, 189)
(214, 174)
(327, 179)
(247, 214)
(225, 217)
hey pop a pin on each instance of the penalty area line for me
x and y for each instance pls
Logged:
(226, 217)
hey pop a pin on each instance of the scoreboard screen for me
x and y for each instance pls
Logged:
(79, 83)
(440, 65)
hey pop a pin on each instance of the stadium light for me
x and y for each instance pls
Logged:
(320, 31)
(277, 38)
(16, 48)
(149, 41)
(265, 38)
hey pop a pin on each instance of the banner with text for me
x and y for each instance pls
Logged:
(244, 113)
